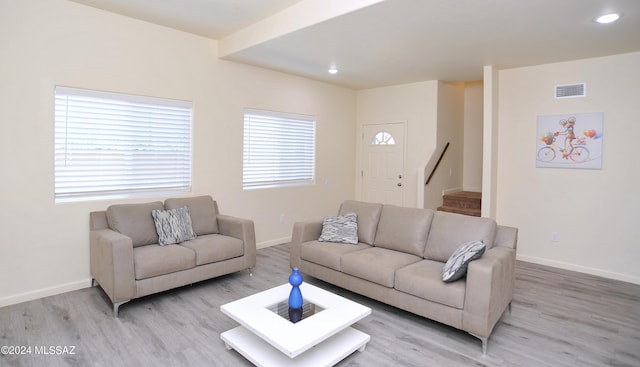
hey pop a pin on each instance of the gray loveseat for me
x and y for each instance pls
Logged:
(127, 261)
(399, 260)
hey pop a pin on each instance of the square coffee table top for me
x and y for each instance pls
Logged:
(255, 313)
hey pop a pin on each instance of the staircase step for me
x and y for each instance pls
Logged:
(462, 202)
(463, 199)
(470, 212)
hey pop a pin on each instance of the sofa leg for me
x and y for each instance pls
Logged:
(250, 272)
(116, 306)
(509, 307)
(485, 342)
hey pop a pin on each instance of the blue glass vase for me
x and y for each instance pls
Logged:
(295, 297)
(295, 314)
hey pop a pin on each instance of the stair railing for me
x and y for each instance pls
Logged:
(444, 150)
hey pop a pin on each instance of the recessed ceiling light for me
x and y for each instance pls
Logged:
(607, 18)
(332, 70)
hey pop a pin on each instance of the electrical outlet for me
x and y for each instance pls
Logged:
(281, 218)
(555, 237)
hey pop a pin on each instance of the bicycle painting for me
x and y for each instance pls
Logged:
(570, 141)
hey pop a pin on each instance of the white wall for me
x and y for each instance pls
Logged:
(416, 105)
(595, 212)
(473, 112)
(44, 248)
(448, 175)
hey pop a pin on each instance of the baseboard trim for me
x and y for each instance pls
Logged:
(472, 189)
(579, 268)
(44, 292)
(278, 241)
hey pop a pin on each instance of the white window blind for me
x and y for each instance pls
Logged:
(117, 145)
(279, 149)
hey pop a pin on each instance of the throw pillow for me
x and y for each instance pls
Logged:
(341, 229)
(173, 225)
(456, 266)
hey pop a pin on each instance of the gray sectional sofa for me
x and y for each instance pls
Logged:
(128, 262)
(399, 259)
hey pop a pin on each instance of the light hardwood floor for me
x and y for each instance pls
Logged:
(558, 318)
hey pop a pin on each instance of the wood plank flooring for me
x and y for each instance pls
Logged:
(558, 318)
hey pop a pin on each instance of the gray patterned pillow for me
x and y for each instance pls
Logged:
(456, 266)
(173, 225)
(342, 229)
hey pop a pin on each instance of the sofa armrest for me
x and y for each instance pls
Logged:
(507, 237)
(242, 229)
(111, 261)
(489, 290)
(302, 232)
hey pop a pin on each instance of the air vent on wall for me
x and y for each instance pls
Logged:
(571, 90)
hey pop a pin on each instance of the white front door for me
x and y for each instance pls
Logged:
(383, 163)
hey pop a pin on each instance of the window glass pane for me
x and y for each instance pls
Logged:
(116, 145)
(279, 149)
(383, 138)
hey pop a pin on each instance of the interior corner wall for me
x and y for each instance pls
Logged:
(416, 105)
(472, 156)
(594, 212)
(450, 129)
(45, 246)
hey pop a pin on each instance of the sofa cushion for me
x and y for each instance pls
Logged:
(215, 247)
(328, 253)
(456, 267)
(424, 279)
(173, 225)
(449, 230)
(135, 221)
(153, 260)
(341, 229)
(368, 218)
(203, 212)
(403, 229)
(377, 265)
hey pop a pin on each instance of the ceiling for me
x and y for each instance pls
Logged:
(377, 43)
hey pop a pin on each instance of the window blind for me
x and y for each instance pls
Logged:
(279, 149)
(111, 144)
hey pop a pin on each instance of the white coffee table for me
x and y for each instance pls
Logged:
(267, 339)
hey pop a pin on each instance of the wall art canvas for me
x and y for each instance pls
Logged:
(570, 141)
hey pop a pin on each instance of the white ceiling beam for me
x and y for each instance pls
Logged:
(301, 15)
